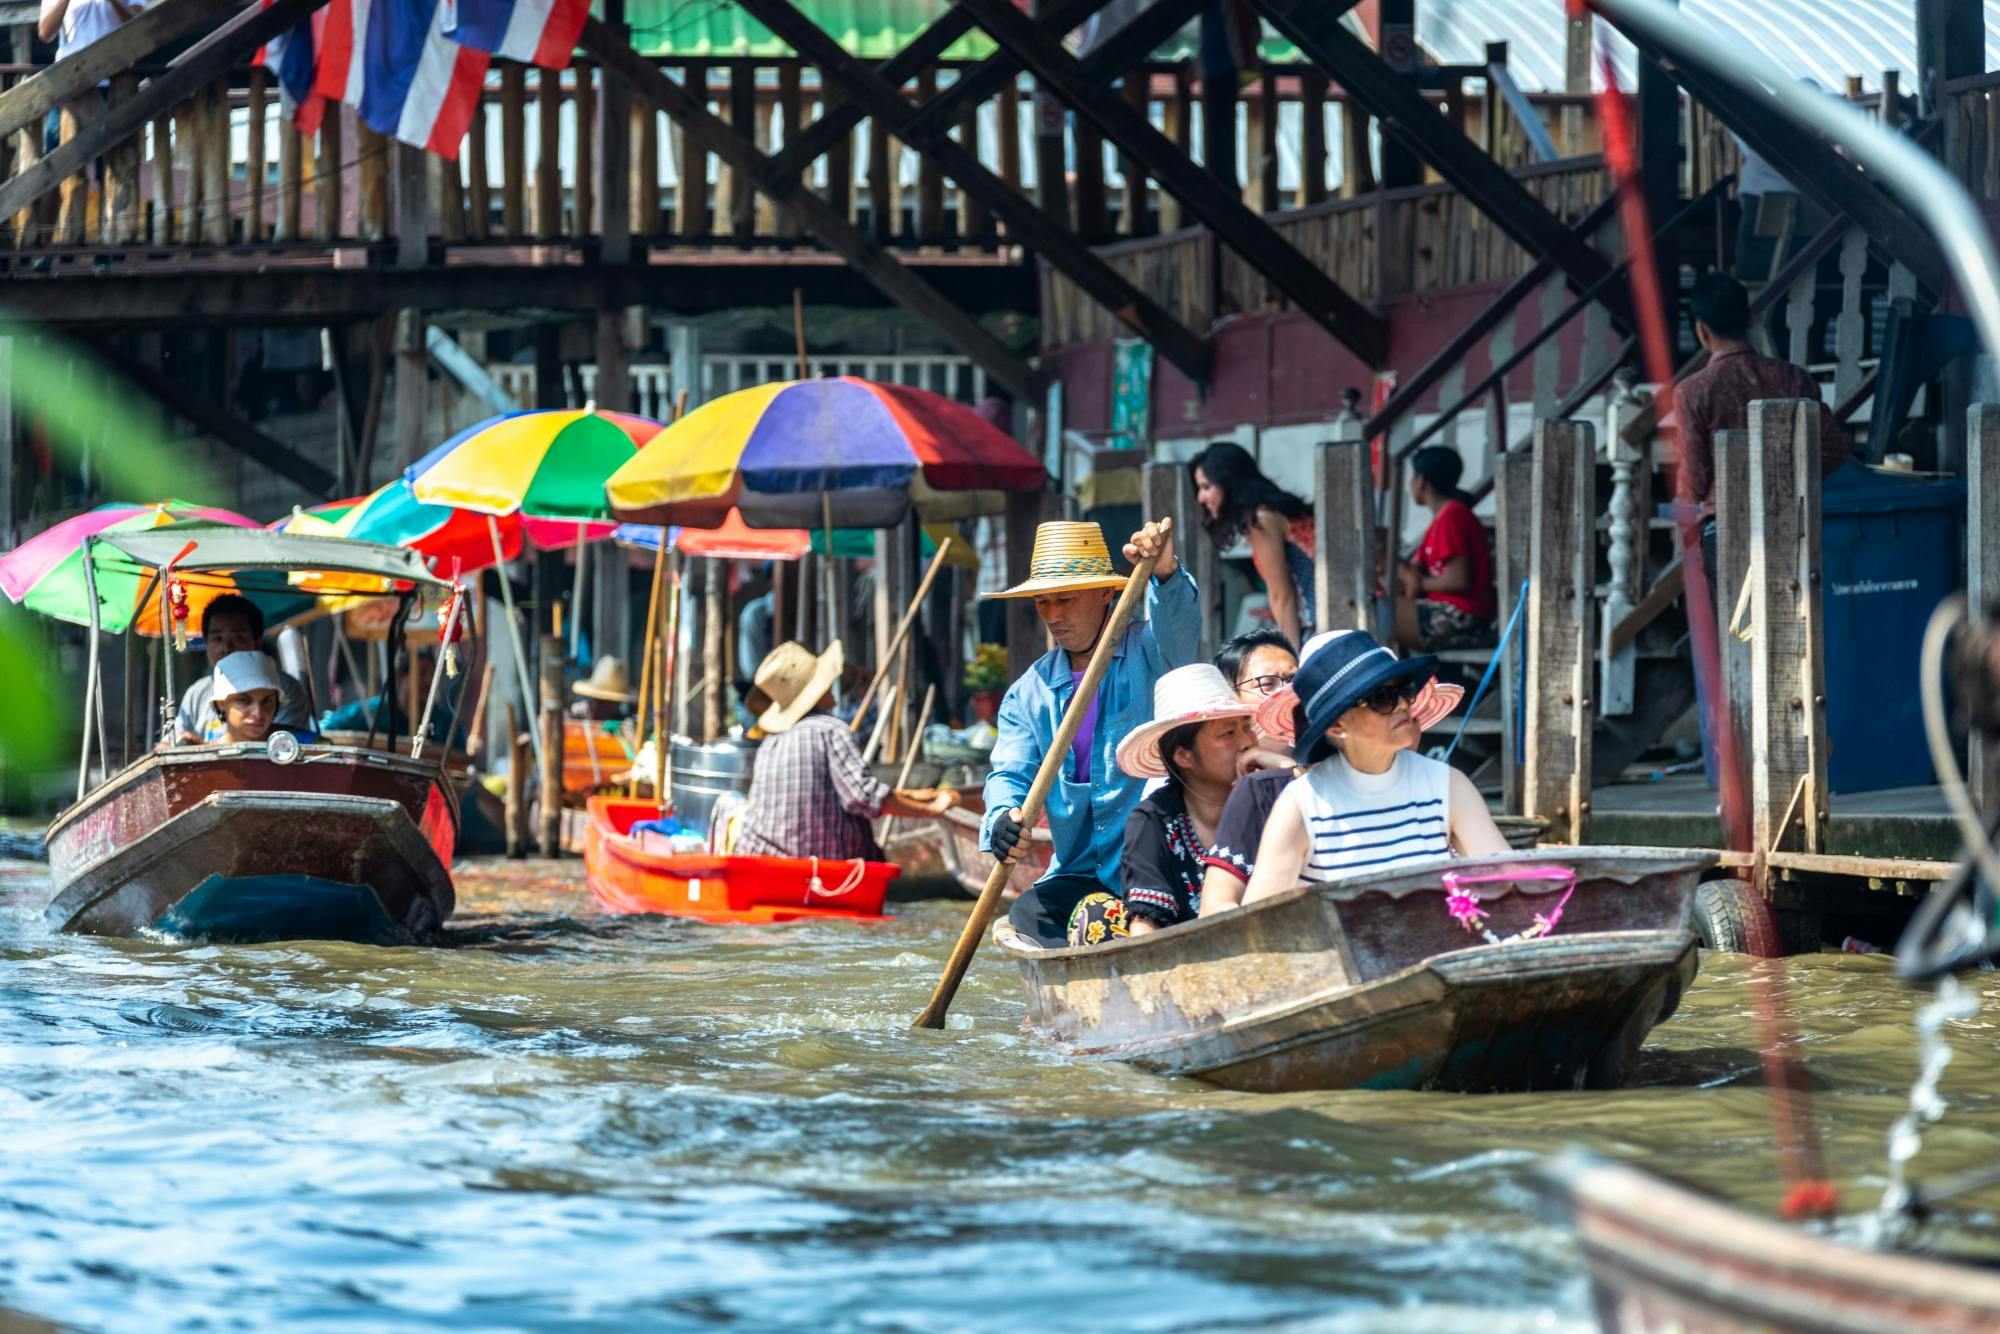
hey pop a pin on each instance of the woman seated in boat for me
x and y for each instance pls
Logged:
(244, 700)
(1196, 741)
(1367, 801)
(230, 624)
(810, 794)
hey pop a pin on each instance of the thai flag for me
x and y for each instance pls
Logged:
(392, 62)
(535, 32)
(292, 56)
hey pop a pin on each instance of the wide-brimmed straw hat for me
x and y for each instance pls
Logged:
(796, 679)
(1196, 694)
(1069, 557)
(242, 672)
(609, 681)
(1341, 668)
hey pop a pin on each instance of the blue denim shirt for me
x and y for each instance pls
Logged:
(1087, 820)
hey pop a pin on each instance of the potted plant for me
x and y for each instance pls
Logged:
(986, 679)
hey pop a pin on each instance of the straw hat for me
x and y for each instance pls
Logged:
(1069, 557)
(796, 679)
(609, 681)
(1196, 694)
(241, 673)
(1274, 715)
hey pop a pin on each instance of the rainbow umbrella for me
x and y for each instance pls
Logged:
(789, 454)
(45, 573)
(443, 533)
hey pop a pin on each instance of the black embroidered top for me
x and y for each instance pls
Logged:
(1161, 867)
(1241, 826)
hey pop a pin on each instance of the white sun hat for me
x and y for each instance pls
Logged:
(1195, 694)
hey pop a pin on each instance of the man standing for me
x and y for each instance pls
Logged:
(1073, 585)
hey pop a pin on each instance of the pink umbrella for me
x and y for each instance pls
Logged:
(35, 559)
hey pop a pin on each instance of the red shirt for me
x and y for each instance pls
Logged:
(1456, 532)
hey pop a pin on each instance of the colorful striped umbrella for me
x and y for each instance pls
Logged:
(778, 451)
(547, 465)
(444, 533)
(45, 573)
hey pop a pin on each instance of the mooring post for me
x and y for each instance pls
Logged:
(549, 717)
(1787, 660)
(1982, 547)
(1562, 566)
(520, 757)
(1344, 536)
(1513, 530)
(1170, 493)
(1732, 570)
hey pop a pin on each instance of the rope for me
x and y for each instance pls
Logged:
(1499, 655)
(853, 881)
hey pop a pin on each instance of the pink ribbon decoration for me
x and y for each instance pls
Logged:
(1464, 907)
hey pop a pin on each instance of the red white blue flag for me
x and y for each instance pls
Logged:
(392, 62)
(535, 32)
(291, 56)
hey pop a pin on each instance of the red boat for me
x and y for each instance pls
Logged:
(637, 873)
(227, 843)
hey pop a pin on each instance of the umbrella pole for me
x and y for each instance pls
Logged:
(423, 727)
(647, 653)
(92, 705)
(514, 638)
(830, 616)
(663, 676)
(576, 600)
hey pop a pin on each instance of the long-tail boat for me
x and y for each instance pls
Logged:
(1515, 972)
(259, 840)
(1664, 1256)
(632, 870)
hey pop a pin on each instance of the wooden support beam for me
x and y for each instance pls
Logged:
(1180, 133)
(291, 179)
(30, 101)
(743, 119)
(413, 371)
(790, 119)
(814, 215)
(614, 246)
(192, 70)
(371, 152)
(253, 161)
(513, 149)
(1076, 261)
(410, 176)
(1982, 547)
(478, 177)
(1295, 275)
(614, 363)
(1732, 568)
(1561, 656)
(1513, 551)
(973, 220)
(583, 220)
(217, 421)
(328, 172)
(1787, 641)
(1344, 540)
(930, 185)
(1312, 138)
(691, 190)
(1396, 100)
(1093, 212)
(1263, 142)
(548, 154)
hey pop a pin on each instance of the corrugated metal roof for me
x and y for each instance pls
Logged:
(872, 29)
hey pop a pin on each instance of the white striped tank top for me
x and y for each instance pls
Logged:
(1373, 822)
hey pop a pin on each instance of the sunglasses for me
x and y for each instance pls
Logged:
(1385, 700)
(1266, 685)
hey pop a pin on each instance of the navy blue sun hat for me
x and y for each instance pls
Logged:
(1341, 675)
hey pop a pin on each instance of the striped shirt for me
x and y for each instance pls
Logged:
(1373, 822)
(811, 796)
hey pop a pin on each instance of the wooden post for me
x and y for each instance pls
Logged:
(412, 369)
(1513, 511)
(121, 169)
(1027, 639)
(714, 613)
(1344, 570)
(790, 118)
(513, 148)
(583, 216)
(291, 180)
(1093, 221)
(451, 193)
(1787, 654)
(412, 203)
(549, 717)
(1180, 132)
(1169, 492)
(839, 166)
(520, 759)
(327, 175)
(1982, 547)
(253, 165)
(882, 222)
(1357, 169)
(1010, 133)
(478, 178)
(372, 153)
(1312, 138)
(30, 150)
(1263, 141)
(930, 181)
(973, 221)
(1562, 561)
(692, 193)
(548, 155)
(1732, 566)
(743, 116)
(215, 164)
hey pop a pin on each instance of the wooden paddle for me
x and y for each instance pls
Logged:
(902, 629)
(1038, 794)
(645, 700)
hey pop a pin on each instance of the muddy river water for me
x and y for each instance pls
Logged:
(571, 1121)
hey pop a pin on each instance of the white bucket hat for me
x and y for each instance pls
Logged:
(241, 673)
(1195, 694)
(1274, 715)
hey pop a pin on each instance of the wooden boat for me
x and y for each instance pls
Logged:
(1663, 1256)
(638, 873)
(592, 759)
(227, 843)
(1373, 983)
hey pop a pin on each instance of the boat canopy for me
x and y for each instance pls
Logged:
(245, 549)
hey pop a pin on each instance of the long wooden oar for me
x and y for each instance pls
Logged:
(902, 629)
(1038, 794)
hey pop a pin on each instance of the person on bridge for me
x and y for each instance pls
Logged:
(1073, 585)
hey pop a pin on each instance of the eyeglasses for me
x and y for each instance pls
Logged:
(1385, 700)
(1266, 685)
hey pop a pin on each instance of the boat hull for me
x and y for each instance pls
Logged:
(224, 844)
(627, 876)
(1372, 984)
(1664, 1257)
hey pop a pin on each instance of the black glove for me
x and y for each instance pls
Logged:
(1006, 833)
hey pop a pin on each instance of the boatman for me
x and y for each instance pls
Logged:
(810, 794)
(1073, 585)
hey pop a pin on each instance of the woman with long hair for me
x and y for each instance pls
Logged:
(1240, 501)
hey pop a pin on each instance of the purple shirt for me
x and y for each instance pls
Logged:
(1086, 733)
